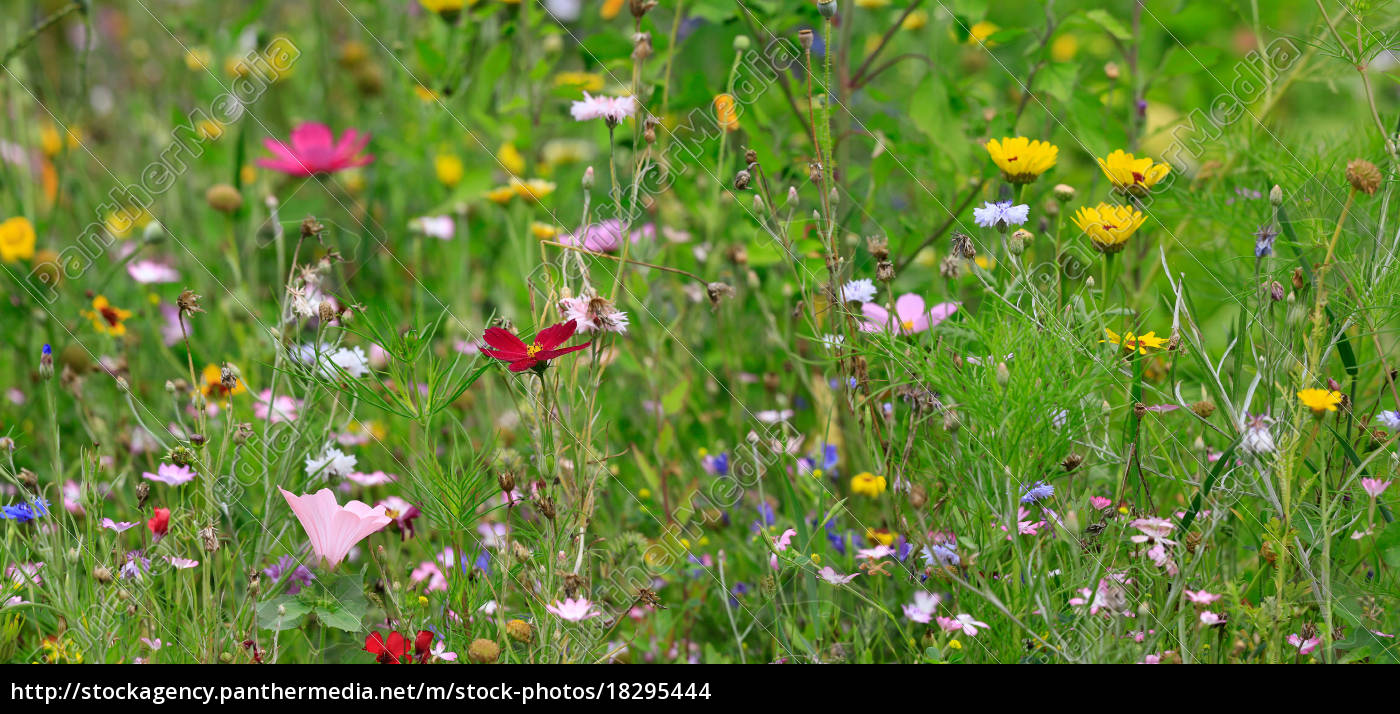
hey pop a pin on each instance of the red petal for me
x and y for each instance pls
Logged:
(423, 644)
(523, 364)
(555, 335)
(503, 340)
(551, 354)
(374, 644)
(504, 356)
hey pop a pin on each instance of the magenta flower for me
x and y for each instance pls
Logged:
(573, 610)
(1374, 487)
(332, 528)
(1305, 647)
(1200, 597)
(911, 315)
(171, 475)
(315, 150)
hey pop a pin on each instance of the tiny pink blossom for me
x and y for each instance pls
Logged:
(610, 109)
(923, 607)
(149, 271)
(115, 526)
(182, 563)
(1200, 597)
(1374, 487)
(171, 475)
(962, 622)
(1099, 502)
(1209, 618)
(830, 575)
(782, 542)
(573, 610)
(1305, 647)
(282, 409)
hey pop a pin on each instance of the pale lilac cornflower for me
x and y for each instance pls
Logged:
(1374, 487)
(1257, 439)
(1389, 419)
(830, 575)
(149, 272)
(171, 475)
(1039, 491)
(862, 290)
(1000, 215)
(573, 610)
(1264, 240)
(611, 110)
(923, 607)
(941, 555)
(593, 314)
(964, 623)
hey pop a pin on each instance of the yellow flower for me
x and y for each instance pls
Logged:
(1064, 48)
(725, 113)
(611, 8)
(247, 174)
(585, 81)
(442, 7)
(543, 231)
(533, 189)
(1131, 175)
(449, 169)
(106, 317)
(213, 386)
(210, 129)
(1320, 401)
(501, 194)
(425, 94)
(1022, 160)
(198, 59)
(1109, 226)
(872, 4)
(50, 140)
(121, 221)
(868, 484)
(954, 644)
(16, 239)
(880, 535)
(916, 20)
(1131, 342)
(511, 159)
(978, 33)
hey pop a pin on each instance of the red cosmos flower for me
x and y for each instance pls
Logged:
(536, 356)
(160, 523)
(395, 649)
(314, 150)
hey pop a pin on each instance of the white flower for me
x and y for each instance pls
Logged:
(1257, 439)
(922, 609)
(1001, 214)
(862, 290)
(440, 227)
(333, 462)
(149, 271)
(610, 109)
(353, 360)
(773, 416)
(831, 576)
(832, 342)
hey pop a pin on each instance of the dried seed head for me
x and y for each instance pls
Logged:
(188, 302)
(962, 246)
(1071, 462)
(718, 291)
(1363, 176)
(520, 631)
(1203, 408)
(879, 246)
(483, 651)
(805, 38)
(884, 271)
(950, 267)
(223, 198)
(741, 180)
(143, 492)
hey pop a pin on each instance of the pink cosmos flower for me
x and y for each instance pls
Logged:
(1305, 647)
(149, 271)
(1374, 487)
(332, 528)
(911, 315)
(315, 150)
(610, 109)
(1201, 597)
(282, 409)
(171, 475)
(573, 610)
(830, 575)
(964, 623)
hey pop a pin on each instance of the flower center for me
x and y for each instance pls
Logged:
(908, 325)
(532, 350)
(111, 316)
(1011, 158)
(1138, 178)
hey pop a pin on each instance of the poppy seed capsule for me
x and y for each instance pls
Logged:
(827, 8)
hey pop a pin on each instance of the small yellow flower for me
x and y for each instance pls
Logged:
(501, 195)
(422, 601)
(1131, 175)
(1130, 342)
(209, 129)
(872, 4)
(50, 141)
(442, 7)
(449, 169)
(978, 33)
(1022, 160)
(725, 113)
(915, 21)
(543, 231)
(954, 645)
(585, 81)
(868, 484)
(198, 59)
(644, 493)
(16, 239)
(1320, 401)
(247, 174)
(121, 221)
(1064, 48)
(611, 8)
(1109, 226)
(213, 386)
(106, 317)
(511, 159)
(880, 535)
(532, 190)
(425, 94)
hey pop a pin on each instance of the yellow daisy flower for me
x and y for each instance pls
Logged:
(16, 239)
(1131, 175)
(1022, 160)
(213, 386)
(501, 194)
(1109, 226)
(511, 159)
(106, 317)
(1141, 343)
(584, 81)
(533, 189)
(449, 169)
(868, 484)
(1320, 401)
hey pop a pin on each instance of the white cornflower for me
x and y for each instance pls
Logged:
(333, 462)
(1000, 215)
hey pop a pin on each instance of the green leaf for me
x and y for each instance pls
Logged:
(1110, 24)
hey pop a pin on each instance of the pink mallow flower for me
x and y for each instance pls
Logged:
(1374, 487)
(573, 610)
(911, 315)
(315, 150)
(334, 529)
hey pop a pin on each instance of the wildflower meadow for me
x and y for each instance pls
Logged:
(699, 331)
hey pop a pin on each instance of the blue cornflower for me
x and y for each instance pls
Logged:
(939, 554)
(25, 512)
(1264, 241)
(1038, 491)
(717, 464)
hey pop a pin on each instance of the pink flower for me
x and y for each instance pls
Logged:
(314, 150)
(911, 315)
(115, 526)
(830, 575)
(440, 227)
(181, 563)
(283, 408)
(922, 609)
(606, 236)
(782, 542)
(1374, 487)
(876, 553)
(610, 109)
(1209, 618)
(429, 571)
(1200, 597)
(377, 478)
(1304, 646)
(1099, 502)
(964, 623)
(332, 528)
(573, 610)
(171, 475)
(1152, 659)
(149, 271)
